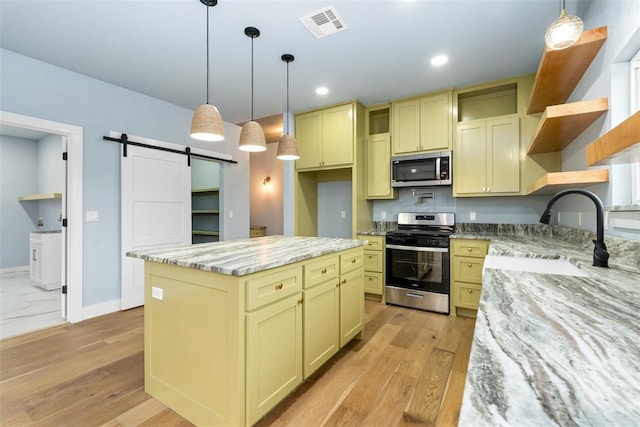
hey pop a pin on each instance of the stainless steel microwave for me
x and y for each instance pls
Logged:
(421, 170)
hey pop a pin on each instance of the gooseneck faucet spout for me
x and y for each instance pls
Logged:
(600, 254)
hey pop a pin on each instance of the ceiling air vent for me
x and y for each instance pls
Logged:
(324, 22)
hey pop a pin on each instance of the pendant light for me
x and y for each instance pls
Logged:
(288, 146)
(564, 31)
(252, 136)
(206, 124)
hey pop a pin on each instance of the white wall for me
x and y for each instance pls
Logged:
(267, 201)
(34, 88)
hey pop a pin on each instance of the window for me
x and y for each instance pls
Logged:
(634, 74)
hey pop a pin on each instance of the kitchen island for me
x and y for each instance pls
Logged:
(225, 339)
(555, 349)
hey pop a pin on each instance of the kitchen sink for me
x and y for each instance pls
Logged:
(533, 265)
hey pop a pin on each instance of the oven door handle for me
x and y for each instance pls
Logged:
(417, 248)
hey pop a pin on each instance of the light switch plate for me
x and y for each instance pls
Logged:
(383, 215)
(157, 293)
(93, 216)
(472, 216)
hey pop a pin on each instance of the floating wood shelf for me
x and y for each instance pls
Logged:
(560, 70)
(553, 182)
(620, 145)
(205, 233)
(205, 190)
(44, 196)
(561, 124)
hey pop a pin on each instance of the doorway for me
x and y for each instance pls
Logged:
(71, 204)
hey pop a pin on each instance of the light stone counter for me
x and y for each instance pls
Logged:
(246, 256)
(551, 349)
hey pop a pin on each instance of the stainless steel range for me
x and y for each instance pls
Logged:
(417, 270)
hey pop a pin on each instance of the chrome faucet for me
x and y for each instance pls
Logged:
(600, 254)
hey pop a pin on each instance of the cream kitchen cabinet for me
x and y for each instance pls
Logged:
(326, 137)
(378, 153)
(487, 157)
(421, 124)
(467, 259)
(247, 340)
(374, 259)
(46, 260)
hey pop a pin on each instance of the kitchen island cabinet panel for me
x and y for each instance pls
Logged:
(321, 324)
(274, 355)
(225, 348)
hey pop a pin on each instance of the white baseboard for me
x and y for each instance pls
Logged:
(15, 269)
(100, 309)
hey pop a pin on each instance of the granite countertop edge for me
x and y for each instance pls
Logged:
(246, 256)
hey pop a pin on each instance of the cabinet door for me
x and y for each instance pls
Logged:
(373, 282)
(337, 136)
(309, 136)
(435, 122)
(503, 155)
(406, 127)
(470, 154)
(467, 269)
(321, 333)
(378, 179)
(273, 355)
(351, 305)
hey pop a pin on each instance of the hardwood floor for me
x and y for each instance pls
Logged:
(409, 369)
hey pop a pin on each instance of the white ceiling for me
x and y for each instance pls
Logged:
(157, 47)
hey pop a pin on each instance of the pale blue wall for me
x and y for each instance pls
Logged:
(18, 177)
(334, 198)
(37, 89)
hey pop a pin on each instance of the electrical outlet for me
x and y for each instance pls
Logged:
(383, 215)
(343, 214)
(40, 222)
(472, 216)
(157, 293)
(230, 214)
(93, 216)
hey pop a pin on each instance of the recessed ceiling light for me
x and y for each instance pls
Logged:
(439, 60)
(322, 91)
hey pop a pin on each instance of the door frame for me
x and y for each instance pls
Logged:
(74, 188)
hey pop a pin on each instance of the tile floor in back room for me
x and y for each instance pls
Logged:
(24, 307)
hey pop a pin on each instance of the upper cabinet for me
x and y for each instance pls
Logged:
(421, 124)
(326, 137)
(378, 153)
(560, 70)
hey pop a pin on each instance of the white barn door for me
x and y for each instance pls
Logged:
(155, 209)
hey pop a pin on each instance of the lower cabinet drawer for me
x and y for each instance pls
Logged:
(467, 269)
(351, 260)
(269, 287)
(316, 272)
(373, 260)
(466, 295)
(373, 282)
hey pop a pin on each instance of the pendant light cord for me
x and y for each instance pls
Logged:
(287, 98)
(208, 54)
(251, 78)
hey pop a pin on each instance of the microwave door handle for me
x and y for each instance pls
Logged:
(438, 168)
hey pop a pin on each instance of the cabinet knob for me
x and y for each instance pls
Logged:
(353, 261)
(469, 249)
(344, 281)
(470, 291)
(324, 271)
(370, 256)
(301, 300)
(278, 286)
(469, 265)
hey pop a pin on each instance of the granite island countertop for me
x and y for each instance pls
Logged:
(552, 349)
(246, 256)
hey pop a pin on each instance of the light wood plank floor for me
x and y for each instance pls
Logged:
(409, 369)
